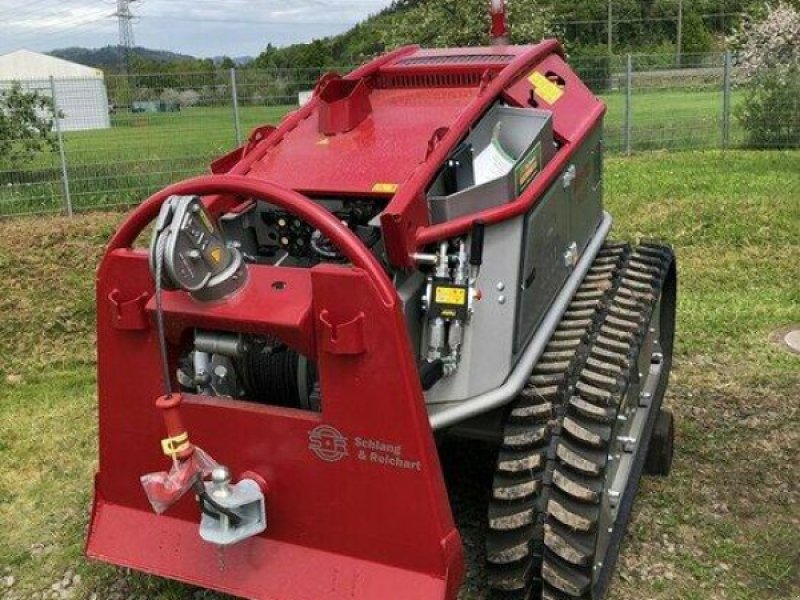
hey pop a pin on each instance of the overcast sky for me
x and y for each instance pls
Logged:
(198, 27)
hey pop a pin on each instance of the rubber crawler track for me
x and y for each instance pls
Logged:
(550, 474)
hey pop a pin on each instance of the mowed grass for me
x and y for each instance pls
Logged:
(138, 155)
(724, 525)
(664, 119)
(141, 153)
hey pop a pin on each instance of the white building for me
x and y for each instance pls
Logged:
(81, 94)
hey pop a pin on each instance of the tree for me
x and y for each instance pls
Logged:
(452, 23)
(26, 126)
(769, 70)
(188, 98)
(696, 39)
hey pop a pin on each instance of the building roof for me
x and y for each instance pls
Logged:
(26, 64)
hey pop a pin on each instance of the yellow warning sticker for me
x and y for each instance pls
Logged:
(447, 295)
(547, 90)
(216, 255)
(385, 188)
(206, 221)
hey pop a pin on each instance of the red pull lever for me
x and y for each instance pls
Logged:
(176, 444)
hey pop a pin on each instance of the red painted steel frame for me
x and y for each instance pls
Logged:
(373, 524)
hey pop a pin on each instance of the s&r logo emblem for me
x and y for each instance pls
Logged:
(327, 443)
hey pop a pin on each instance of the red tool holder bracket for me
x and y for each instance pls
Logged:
(368, 520)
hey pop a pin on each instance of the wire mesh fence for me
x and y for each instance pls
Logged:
(121, 138)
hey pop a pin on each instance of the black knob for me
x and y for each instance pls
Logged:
(476, 247)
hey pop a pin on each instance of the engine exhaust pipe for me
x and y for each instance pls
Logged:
(500, 31)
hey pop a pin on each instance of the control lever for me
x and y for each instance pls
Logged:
(476, 244)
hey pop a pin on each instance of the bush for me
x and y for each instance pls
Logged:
(770, 112)
(769, 70)
(26, 126)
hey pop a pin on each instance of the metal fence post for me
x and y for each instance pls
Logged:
(235, 98)
(726, 102)
(61, 151)
(629, 106)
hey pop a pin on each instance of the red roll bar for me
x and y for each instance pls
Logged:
(289, 200)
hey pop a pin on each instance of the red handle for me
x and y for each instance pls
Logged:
(289, 200)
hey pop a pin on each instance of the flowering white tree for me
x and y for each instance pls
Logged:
(188, 98)
(768, 67)
(769, 43)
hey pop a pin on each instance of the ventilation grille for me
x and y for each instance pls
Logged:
(388, 82)
(458, 59)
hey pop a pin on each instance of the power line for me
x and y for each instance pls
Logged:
(161, 17)
(32, 19)
(47, 11)
(63, 25)
(17, 13)
(99, 25)
(627, 21)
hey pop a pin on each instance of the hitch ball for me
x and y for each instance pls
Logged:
(231, 513)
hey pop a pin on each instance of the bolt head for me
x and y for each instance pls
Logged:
(501, 286)
(501, 299)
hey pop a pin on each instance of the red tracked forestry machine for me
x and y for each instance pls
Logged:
(419, 252)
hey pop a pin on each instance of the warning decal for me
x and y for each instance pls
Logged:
(385, 188)
(216, 255)
(547, 90)
(528, 168)
(450, 295)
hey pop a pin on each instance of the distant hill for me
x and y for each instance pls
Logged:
(107, 58)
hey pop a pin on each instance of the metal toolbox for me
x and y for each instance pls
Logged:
(496, 162)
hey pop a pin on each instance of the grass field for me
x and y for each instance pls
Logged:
(723, 526)
(142, 153)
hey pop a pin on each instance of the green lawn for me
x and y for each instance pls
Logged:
(723, 526)
(666, 119)
(137, 156)
(142, 153)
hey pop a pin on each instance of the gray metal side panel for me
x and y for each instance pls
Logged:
(586, 206)
(568, 214)
(547, 238)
